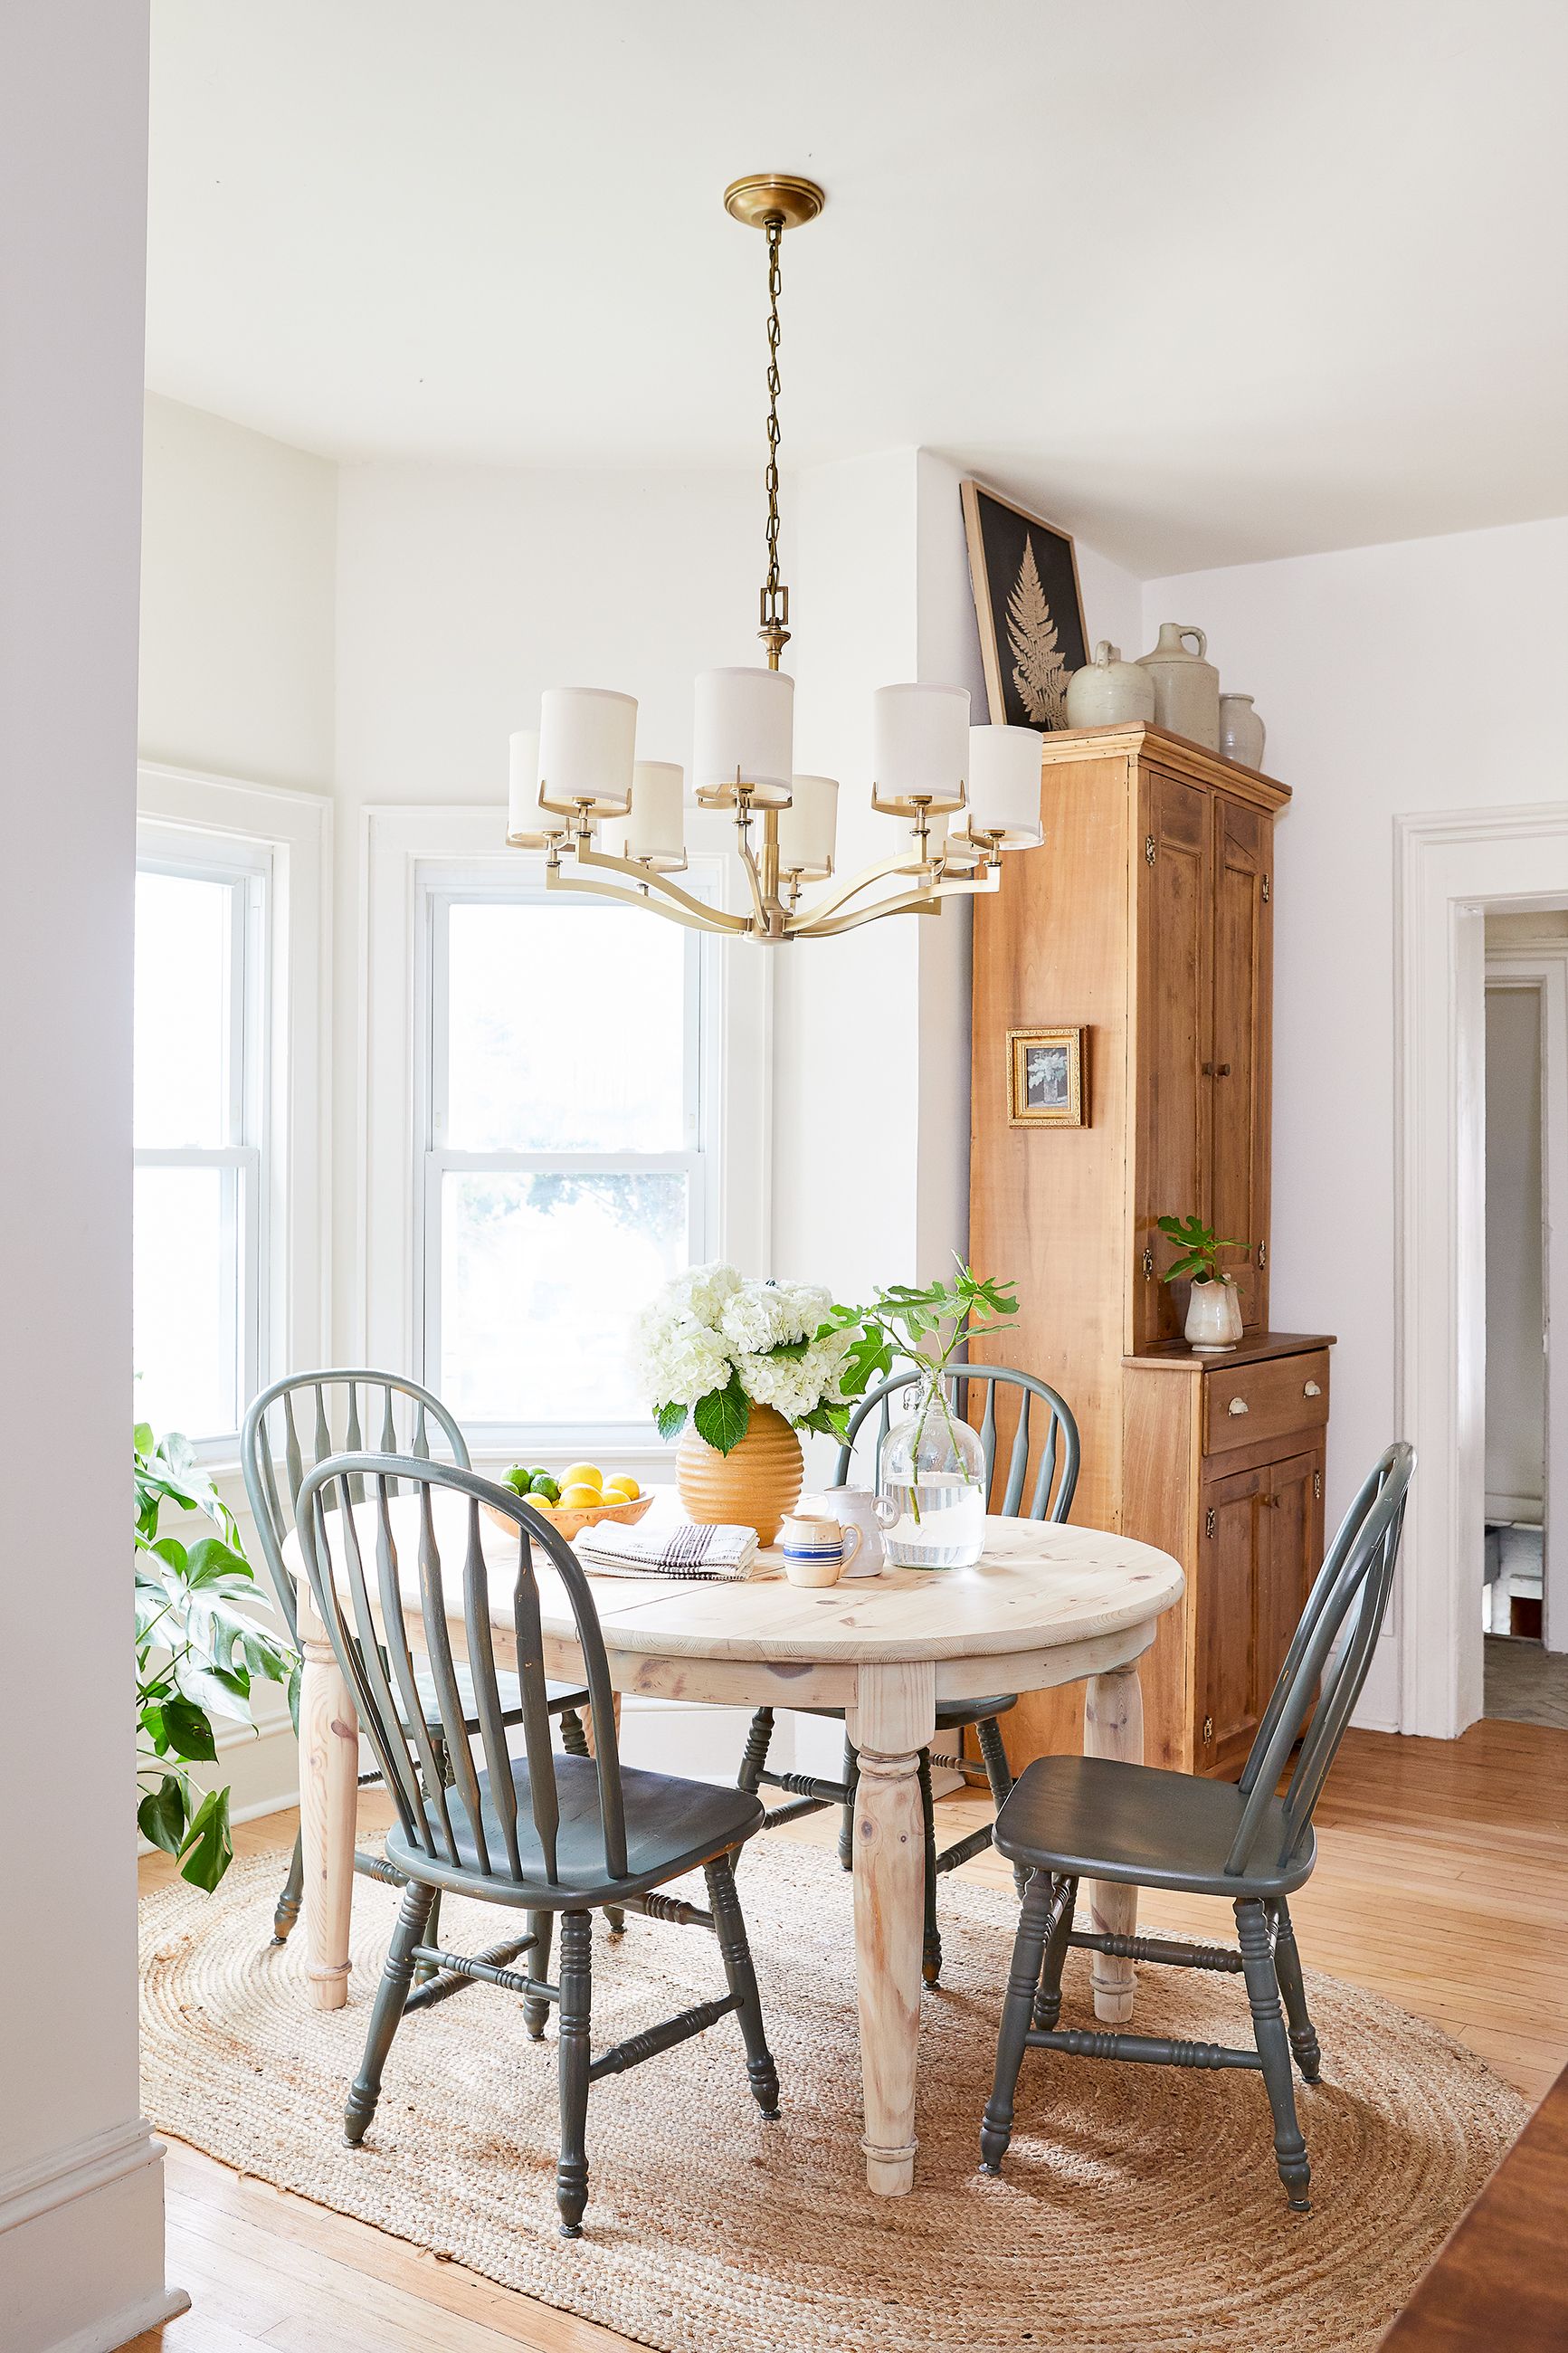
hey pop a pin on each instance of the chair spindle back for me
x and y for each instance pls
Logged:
(367, 1618)
(1056, 1475)
(299, 1421)
(1357, 1575)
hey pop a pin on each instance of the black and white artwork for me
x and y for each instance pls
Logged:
(1045, 1078)
(1024, 576)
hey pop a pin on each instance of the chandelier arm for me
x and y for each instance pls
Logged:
(884, 868)
(810, 925)
(712, 919)
(762, 923)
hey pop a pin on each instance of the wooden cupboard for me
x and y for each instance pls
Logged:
(1147, 919)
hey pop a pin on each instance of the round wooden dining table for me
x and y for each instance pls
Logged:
(1046, 1605)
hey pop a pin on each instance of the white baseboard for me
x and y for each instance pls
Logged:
(81, 2244)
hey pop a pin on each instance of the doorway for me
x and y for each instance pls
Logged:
(1524, 1607)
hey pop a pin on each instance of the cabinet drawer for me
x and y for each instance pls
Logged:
(1243, 1403)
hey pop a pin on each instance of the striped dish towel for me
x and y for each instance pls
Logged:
(716, 1555)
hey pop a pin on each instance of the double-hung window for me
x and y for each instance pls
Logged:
(566, 1153)
(201, 1127)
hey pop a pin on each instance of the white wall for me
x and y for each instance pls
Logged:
(1427, 675)
(237, 601)
(1516, 1386)
(80, 2183)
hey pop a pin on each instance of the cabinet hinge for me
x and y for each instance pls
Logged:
(1148, 1264)
(1266, 890)
(1149, 852)
(1211, 1521)
(1262, 1256)
(1209, 1730)
(1317, 1486)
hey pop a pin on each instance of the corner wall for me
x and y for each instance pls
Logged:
(81, 2254)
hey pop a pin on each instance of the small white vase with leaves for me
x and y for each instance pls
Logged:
(1213, 1310)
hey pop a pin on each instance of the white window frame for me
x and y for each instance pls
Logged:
(219, 829)
(413, 862)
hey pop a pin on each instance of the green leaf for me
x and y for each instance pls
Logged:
(211, 1558)
(186, 1730)
(142, 1439)
(671, 1419)
(794, 1349)
(295, 1669)
(216, 1691)
(162, 1816)
(722, 1418)
(208, 1850)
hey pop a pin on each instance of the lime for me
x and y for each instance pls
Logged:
(542, 1485)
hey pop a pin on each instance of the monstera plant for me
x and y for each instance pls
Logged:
(200, 1648)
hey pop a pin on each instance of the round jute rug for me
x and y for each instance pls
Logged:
(1140, 2209)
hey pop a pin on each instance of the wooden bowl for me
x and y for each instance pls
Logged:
(572, 1523)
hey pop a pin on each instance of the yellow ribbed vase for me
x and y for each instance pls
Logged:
(752, 1486)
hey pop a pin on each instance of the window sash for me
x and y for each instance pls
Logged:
(435, 1159)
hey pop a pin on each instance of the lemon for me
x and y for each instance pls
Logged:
(624, 1486)
(578, 1496)
(583, 1474)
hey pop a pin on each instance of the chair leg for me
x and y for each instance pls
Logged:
(931, 1956)
(741, 1979)
(572, 2068)
(391, 1995)
(535, 2008)
(432, 1935)
(1049, 2000)
(1274, 2050)
(287, 1909)
(846, 1819)
(999, 1773)
(1287, 1969)
(1028, 1957)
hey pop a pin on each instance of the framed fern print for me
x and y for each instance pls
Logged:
(1029, 607)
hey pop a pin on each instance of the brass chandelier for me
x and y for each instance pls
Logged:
(611, 826)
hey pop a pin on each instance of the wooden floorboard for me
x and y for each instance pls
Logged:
(1442, 1882)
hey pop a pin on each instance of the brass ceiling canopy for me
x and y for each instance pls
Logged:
(765, 196)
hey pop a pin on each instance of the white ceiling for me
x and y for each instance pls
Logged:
(1204, 279)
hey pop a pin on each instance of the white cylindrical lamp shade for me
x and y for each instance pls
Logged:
(1004, 787)
(745, 730)
(920, 748)
(587, 740)
(654, 829)
(526, 827)
(808, 827)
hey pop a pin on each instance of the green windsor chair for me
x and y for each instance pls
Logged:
(382, 1413)
(543, 1833)
(1072, 1817)
(1050, 1499)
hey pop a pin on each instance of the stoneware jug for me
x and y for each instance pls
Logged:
(1109, 691)
(1186, 687)
(1214, 1317)
(1240, 730)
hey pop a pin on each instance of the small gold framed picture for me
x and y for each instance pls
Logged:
(1045, 1078)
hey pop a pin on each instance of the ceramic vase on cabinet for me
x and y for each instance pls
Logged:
(1109, 691)
(1186, 687)
(1214, 1317)
(1240, 731)
(752, 1486)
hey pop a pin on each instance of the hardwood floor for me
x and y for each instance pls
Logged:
(1442, 1882)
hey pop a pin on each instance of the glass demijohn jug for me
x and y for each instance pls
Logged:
(934, 1480)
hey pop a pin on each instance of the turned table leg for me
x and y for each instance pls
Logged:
(328, 1792)
(893, 1720)
(1113, 1727)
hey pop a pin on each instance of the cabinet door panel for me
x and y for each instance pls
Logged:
(1240, 1060)
(1229, 1545)
(1286, 1564)
(1174, 866)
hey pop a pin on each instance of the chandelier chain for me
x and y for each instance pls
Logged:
(774, 628)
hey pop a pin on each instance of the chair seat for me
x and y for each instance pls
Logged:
(671, 1827)
(1094, 1818)
(950, 1713)
(556, 1695)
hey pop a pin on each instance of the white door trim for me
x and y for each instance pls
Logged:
(1543, 966)
(1449, 866)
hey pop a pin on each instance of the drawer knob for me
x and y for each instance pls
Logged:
(1313, 1389)
(1237, 1405)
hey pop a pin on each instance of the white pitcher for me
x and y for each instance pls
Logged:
(1186, 687)
(864, 1509)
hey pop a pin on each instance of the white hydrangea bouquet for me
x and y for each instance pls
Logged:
(713, 1343)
